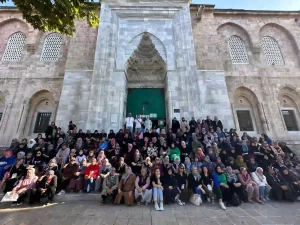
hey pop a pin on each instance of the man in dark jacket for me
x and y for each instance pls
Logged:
(193, 125)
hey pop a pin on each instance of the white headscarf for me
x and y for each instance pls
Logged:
(31, 145)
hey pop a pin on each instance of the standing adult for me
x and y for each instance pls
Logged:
(217, 123)
(148, 123)
(138, 123)
(175, 125)
(193, 125)
(209, 122)
(129, 122)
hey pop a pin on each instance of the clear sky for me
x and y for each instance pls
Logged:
(247, 4)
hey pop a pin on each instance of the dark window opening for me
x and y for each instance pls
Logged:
(42, 122)
(290, 120)
(245, 121)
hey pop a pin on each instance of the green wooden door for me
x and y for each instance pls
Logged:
(152, 100)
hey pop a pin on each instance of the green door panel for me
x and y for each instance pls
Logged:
(152, 99)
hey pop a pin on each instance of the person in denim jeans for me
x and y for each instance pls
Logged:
(157, 190)
(264, 188)
(91, 174)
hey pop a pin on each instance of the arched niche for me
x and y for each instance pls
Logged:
(246, 111)
(41, 111)
(289, 102)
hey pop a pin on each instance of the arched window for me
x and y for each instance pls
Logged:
(51, 47)
(237, 50)
(289, 112)
(272, 51)
(14, 47)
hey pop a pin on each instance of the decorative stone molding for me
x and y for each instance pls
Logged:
(30, 48)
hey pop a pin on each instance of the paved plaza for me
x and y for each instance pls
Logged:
(69, 211)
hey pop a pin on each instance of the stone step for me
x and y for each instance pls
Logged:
(78, 197)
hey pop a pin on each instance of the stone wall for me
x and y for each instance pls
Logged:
(263, 81)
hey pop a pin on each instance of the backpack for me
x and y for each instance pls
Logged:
(235, 200)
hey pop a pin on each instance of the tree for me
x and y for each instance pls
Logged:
(58, 15)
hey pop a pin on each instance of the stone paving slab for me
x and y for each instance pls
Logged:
(92, 213)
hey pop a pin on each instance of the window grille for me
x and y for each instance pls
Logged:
(42, 122)
(14, 47)
(51, 47)
(237, 50)
(272, 51)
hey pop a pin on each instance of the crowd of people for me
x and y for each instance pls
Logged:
(195, 161)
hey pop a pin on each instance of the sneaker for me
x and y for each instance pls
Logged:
(21, 203)
(179, 202)
(222, 206)
(14, 204)
(263, 199)
(298, 198)
(267, 198)
(156, 207)
(61, 192)
(208, 200)
(161, 208)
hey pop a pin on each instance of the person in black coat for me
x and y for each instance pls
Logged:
(193, 125)
(45, 186)
(16, 172)
(217, 123)
(175, 125)
(111, 135)
(171, 192)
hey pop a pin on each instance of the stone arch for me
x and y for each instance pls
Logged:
(11, 26)
(146, 64)
(285, 39)
(42, 101)
(247, 111)
(289, 103)
(229, 29)
(133, 43)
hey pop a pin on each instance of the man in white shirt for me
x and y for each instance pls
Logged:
(129, 122)
(138, 123)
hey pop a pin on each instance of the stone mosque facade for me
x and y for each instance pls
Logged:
(239, 65)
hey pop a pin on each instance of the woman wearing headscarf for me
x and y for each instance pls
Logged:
(80, 157)
(280, 188)
(264, 188)
(164, 150)
(143, 191)
(184, 150)
(233, 182)
(200, 154)
(59, 144)
(13, 174)
(103, 171)
(221, 188)
(239, 161)
(25, 186)
(174, 152)
(207, 163)
(171, 192)
(76, 183)
(39, 161)
(252, 165)
(110, 186)
(121, 167)
(79, 145)
(249, 185)
(126, 188)
(292, 180)
(30, 145)
(62, 155)
(91, 156)
(147, 165)
(45, 186)
(195, 182)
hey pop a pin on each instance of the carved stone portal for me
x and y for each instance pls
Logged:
(145, 63)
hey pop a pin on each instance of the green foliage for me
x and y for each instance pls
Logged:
(57, 15)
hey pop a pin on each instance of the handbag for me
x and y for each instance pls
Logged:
(195, 199)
